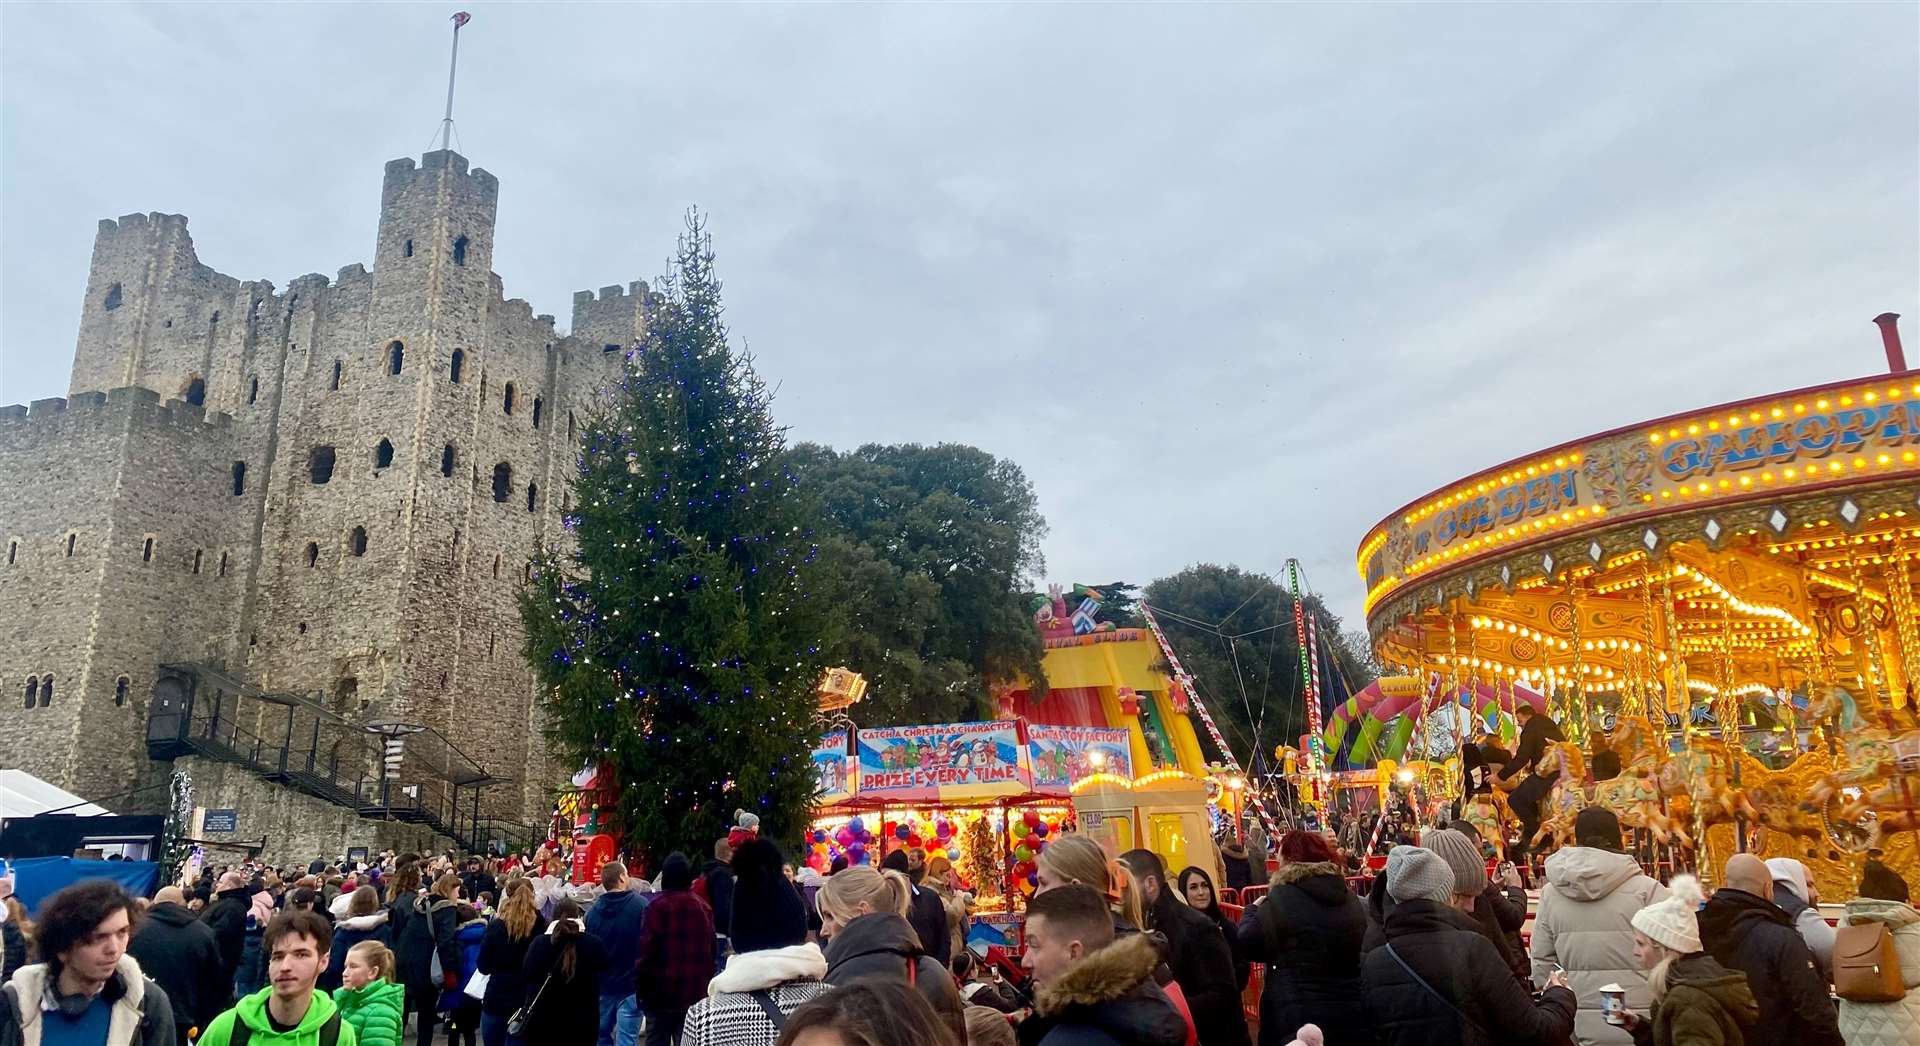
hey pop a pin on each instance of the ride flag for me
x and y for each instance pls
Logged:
(941, 762)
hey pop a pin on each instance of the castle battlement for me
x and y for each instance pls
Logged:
(130, 402)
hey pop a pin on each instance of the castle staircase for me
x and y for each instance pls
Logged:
(389, 771)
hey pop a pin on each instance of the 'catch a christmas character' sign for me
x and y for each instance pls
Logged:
(945, 761)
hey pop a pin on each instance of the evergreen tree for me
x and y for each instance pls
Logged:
(678, 640)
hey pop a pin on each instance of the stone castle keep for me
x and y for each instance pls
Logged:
(264, 521)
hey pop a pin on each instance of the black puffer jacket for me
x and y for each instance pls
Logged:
(1752, 935)
(1308, 931)
(1380, 904)
(1482, 1002)
(501, 958)
(227, 918)
(411, 929)
(180, 954)
(1500, 924)
(1202, 964)
(884, 945)
(1106, 999)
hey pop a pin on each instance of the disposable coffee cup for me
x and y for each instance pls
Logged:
(1613, 1003)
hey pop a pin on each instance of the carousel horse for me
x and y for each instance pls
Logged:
(1875, 782)
(1634, 796)
(1563, 761)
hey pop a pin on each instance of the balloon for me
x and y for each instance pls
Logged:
(844, 835)
(953, 853)
(913, 841)
(1033, 878)
(1040, 830)
(1030, 819)
(819, 835)
(857, 852)
(942, 828)
(857, 826)
(1020, 830)
(1023, 852)
(900, 831)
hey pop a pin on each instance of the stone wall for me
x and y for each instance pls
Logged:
(297, 828)
(388, 592)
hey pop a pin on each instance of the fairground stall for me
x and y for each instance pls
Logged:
(1725, 598)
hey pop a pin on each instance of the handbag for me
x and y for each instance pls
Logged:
(477, 985)
(517, 1024)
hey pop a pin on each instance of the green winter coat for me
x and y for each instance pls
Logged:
(252, 1010)
(374, 1011)
(1706, 1005)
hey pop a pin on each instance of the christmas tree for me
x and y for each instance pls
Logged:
(677, 640)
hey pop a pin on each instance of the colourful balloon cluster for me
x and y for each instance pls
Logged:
(934, 838)
(938, 837)
(1029, 834)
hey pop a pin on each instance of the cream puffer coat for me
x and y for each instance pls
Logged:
(1584, 924)
(1887, 1023)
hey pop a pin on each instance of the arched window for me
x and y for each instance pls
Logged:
(357, 541)
(507, 401)
(120, 688)
(112, 301)
(460, 251)
(46, 691)
(197, 392)
(533, 494)
(382, 454)
(33, 691)
(239, 478)
(446, 461)
(336, 375)
(502, 481)
(396, 354)
(320, 464)
(313, 554)
(146, 553)
(253, 390)
(459, 360)
(536, 411)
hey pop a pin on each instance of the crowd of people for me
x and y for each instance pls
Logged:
(743, 950)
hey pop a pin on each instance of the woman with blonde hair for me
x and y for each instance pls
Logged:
(1075, 858)
(503, 953)
(863, 915)
(1696, 1001)
(368, 998)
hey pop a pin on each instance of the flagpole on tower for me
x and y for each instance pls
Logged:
(460, 18)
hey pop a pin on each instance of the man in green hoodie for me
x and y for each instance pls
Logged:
(287, 1012)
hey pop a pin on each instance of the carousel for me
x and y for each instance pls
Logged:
(1724, 600)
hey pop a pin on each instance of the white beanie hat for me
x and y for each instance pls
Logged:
(1415, 874)
(1672, 921)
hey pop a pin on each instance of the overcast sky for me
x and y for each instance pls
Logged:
(1231, 283)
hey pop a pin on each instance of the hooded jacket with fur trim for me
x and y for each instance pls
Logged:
(1108, 998)
(1309, 930)
(141, 1014)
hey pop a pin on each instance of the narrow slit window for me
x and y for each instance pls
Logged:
(533, 495)
(196, 561)
(502, 481)
(253, 391)
(396, 357)
(460, 251)
(197, 392)
(507, 400)
(537, 404)
(383, 454)
(446, 461)
(336, 375)
(120, 688)
(239, 478)
(33, 691)
(408, 249)
(459, 361)
(46, 692)
(357, 541)
(320, 464)
(113, 298)
(146, 553)
(70, 540)
(13, 552)
(313, 554)
(223, 564)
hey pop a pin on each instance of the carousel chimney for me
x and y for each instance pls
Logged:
(1890, 334)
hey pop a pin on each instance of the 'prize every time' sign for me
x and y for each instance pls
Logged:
(944, 761)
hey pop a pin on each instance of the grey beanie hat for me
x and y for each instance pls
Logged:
(1463, 857)
(1414, 874)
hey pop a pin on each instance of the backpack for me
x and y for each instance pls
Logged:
(1866, 965)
